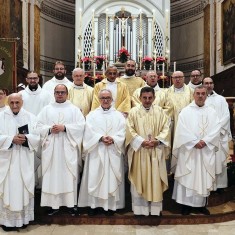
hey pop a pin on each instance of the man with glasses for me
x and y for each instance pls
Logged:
(80, 94)
(130, 79)
(102, 183)
(34, 97)
(59, 78)
(179, 95)
(219, 104)
(160, 95)
(120, 95)
(195, 79)
(61, 125)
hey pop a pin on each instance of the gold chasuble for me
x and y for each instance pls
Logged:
(81, 97)
(178, 100)
(147, 167)
(132, 83)
(123, 100)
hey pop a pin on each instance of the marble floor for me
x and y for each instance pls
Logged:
(227, 228)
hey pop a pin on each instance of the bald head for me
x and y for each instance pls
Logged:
(15, 102)
(178, 79)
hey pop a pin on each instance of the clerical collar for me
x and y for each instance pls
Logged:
(178, 90)
(210, 94)
(78, 86)
(106, 109)
(33, 88)
(15, 113)
(126, 76)
(111, 81)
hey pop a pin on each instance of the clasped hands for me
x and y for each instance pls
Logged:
(19, 139)
(201, 144)
(107, 140)
(57, 128)
(149, 144)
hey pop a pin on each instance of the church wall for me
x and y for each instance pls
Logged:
(57, 34)
(187, 36)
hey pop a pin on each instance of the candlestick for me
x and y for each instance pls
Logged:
(92, 28)
(140, 23)
(163, 70)
(174, 66)
(153, 29)
(80, 21)
(167, 21)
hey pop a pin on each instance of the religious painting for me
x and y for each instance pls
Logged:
(7, 65)
(228, 31)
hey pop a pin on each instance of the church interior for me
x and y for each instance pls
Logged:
(160, 35)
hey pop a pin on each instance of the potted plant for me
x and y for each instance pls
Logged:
(87, 62)
(99, 60)
(147, 61)
(123, 55)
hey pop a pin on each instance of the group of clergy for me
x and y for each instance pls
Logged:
(124, 124)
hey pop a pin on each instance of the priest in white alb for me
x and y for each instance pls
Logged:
(61, 126)
(103, 145)
(220, 105)
(195, 146)
(18, 143)
(147, 141)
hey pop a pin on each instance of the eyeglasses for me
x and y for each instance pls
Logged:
(59, 68)
(110, 73)
(60, 92)
(33, 78)
(105, 98)
(178, 77)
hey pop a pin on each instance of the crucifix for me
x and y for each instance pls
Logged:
(123, 19)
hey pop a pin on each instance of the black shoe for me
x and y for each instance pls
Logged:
(73, 211)
(8, 229)
(109, 213)
(219, 190)
(52, 211)
(186, 210)
(24, 226)
(92, 212)
(203, 210)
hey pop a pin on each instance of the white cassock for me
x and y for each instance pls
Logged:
(52, 83)
(34, 101)
(219, 104)
(17, 169)
(195, 169)
(61, 154)
(103, 177)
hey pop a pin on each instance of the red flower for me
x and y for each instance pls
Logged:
(123, 52)
(86, 59)
(147, 59)
(99, 59)
(161, 59)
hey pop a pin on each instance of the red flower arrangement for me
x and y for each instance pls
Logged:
(99, 59)
(123, 54)
(86, 59)
(147, 59)
(161, 59)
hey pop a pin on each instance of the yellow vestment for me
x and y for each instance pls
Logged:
(132, 83)
(123, 101)
(147, 167)
(81, 97)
